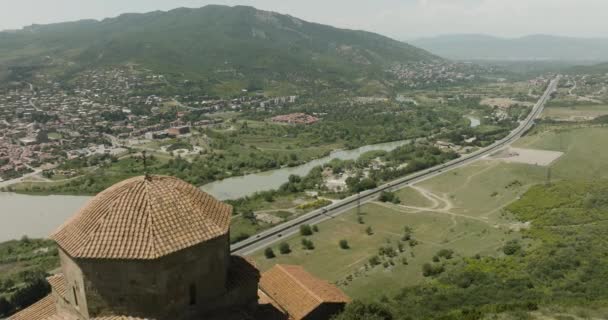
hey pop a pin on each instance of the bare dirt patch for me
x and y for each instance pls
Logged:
(527, 156)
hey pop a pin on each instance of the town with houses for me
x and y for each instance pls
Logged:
(106, 111)
(46, 123)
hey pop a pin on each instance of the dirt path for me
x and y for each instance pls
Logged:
(453, 216)
(572, 89)
(471, 177)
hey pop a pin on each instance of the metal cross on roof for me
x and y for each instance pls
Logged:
(145, 160)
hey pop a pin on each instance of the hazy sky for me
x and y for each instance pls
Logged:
(402, 19)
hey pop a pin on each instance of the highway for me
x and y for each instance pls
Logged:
(275, 234)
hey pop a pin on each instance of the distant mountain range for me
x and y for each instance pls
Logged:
(535, 47)
(211, 41)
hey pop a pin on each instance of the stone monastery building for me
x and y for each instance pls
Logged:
(158, 248)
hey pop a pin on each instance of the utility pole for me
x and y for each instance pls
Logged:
(145, 160)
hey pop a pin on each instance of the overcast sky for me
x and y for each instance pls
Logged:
(401, 19)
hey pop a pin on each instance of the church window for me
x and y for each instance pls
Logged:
(192, 294)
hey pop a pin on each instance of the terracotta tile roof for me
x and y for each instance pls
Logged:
(44, 309)
(269, 309)
(143, 218)
(58, 284)
(297, 291)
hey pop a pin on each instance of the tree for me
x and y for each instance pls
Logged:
(5, 307)
(284, 248)
(240, 237)
(369, 231)
(344, 244)
(358, 310)
(445, 253)
(400, 247)
(511, 247)
(308, 244)
(431, 269)
(250, 216)
(268, 197)
(360, 220)
(407, 233)
(7, 284)
(315, 228)
(305, 230)
(374, 261)
(26, 240)
(268, 253)
(389, 197)
(33, 292)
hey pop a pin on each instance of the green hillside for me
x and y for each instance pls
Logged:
(218, 41)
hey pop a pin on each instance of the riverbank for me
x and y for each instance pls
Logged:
(233, 187)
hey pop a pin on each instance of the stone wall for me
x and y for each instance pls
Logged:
(157, 288)
(75, 288)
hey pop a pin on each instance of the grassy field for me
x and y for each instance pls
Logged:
(460, 210)
(580, 112)
(432, 231)
(586, 156)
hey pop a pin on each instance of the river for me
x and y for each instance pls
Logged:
(238, 187)
(39, 216)
(34, 216)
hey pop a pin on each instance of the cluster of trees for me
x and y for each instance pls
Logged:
(24, 282)
(562, 268)
(389, 197)
(366, 124)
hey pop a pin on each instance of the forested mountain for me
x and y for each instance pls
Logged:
(534, 47)
(213, 40)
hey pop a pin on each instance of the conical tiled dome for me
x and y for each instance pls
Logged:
(143, 218)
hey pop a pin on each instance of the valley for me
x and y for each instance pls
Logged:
(459, 177)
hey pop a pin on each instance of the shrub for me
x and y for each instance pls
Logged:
(344, 244)
(400, 247)
(308, 244)
(407, 233)
(240, 237)
(511, 247)
(315, 228)
(445, 253)
(320, 203)
(374, 261)
(369, 231)
(5, 307)
(389, 197)
(305, 230)
(387, 251)
(268, 253)
(432, 269)
(284, 248)
(358, 310)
